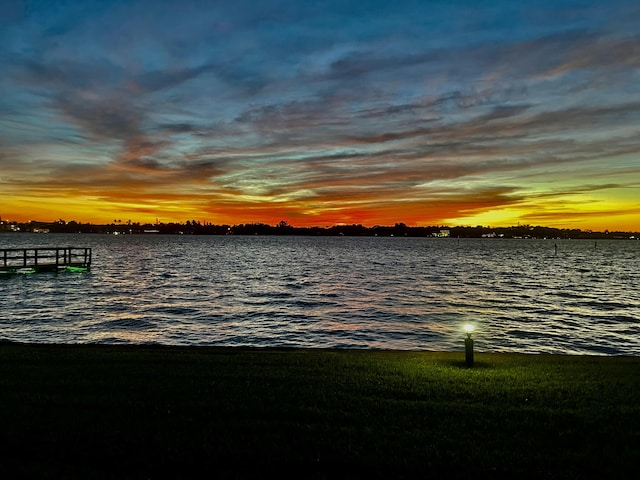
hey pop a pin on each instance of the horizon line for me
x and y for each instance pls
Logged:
(284, 224)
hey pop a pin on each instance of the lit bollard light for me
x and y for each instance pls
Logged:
(468, 345)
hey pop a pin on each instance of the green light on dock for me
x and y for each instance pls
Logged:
(76, 269)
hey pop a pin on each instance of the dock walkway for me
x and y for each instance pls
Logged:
(46, 259)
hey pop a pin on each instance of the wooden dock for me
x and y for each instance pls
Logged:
(54, 259)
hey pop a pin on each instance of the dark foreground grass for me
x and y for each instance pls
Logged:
(169, 412)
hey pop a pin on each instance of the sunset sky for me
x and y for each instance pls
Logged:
(322, 112)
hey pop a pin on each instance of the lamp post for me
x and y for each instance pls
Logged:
(468, 345)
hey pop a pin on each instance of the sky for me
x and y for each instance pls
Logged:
(319, 113)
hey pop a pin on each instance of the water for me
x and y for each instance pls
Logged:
(344, 292)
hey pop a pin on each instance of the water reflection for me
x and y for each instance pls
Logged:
(400, 293)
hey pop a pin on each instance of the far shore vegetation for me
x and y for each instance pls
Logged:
(195, 227)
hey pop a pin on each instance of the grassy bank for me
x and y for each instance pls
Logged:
(155, 412)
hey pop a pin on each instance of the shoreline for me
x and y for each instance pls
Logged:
(285, 348)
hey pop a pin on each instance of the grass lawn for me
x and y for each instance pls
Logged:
(171, 412)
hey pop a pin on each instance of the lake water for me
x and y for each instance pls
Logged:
(344, 292)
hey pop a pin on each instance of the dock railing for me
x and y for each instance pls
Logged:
(46, 259)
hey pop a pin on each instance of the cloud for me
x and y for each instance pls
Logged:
(599, 53)
(161, 79)
(105, 118)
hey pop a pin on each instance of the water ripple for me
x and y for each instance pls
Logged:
(400, 293)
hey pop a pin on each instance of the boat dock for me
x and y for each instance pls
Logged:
(32, 260)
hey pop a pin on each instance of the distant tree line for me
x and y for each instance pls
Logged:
(194, 227)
